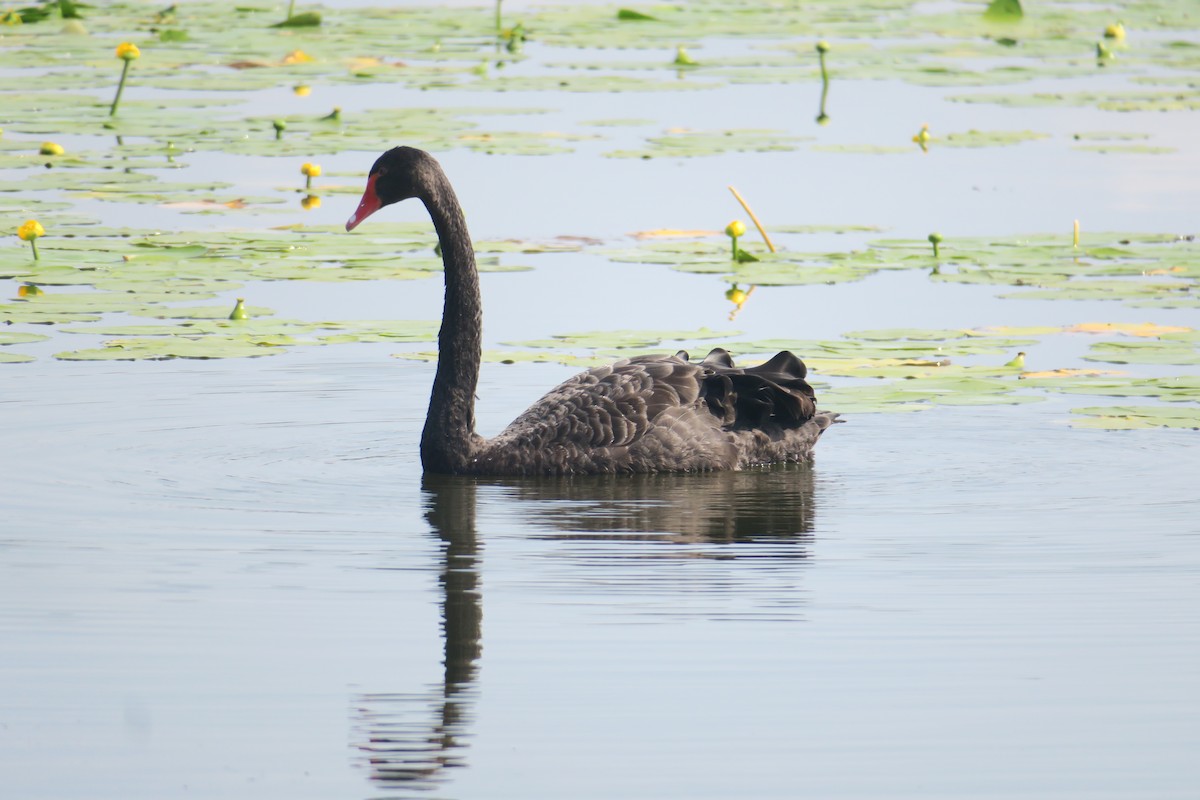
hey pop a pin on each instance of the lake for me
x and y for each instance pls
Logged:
(226, 576)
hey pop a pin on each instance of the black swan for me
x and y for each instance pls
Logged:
(645, 414)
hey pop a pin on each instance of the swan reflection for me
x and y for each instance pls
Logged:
(412, 740)
(767, 505)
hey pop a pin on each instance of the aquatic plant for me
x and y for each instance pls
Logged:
(280, 126)
(1004, 11)
(50, 149)
(923, 138)
(935, 239)
(128, 53)
(822, 49)
(29, 232)
(306, 19)
(682, 59)
(239, 310)
(753, 218)
(734, 230)
(310, 171)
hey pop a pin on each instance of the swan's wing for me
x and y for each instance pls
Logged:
(609, 406)
(617, 404)
(654, 413)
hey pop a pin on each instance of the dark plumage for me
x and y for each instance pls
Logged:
(645, 414)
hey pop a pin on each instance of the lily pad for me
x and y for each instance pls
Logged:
(18, 337)
(1137, 417)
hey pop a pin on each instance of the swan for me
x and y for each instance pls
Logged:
(658, 413)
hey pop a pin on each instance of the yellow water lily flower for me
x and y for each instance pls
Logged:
(31, 230)
(127, 52)
(923, 138)
(310, 171)
(1114, 31)
(51, 149)
(735, 229)
(302, 90)
(298, 57)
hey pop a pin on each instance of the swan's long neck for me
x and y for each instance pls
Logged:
(449, 441)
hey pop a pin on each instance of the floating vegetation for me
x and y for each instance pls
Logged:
(1115, 418)
(991, 138)
(684, 143)
(167, 292)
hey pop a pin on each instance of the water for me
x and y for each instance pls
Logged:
(230, 579)
(235, 580)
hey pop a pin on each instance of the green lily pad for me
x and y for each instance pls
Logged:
(690, 144)
(160, 349)
(1155, 352)
(974, 138)
(17, 337)
(1137, 417)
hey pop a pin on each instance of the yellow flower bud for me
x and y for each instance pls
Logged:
(822, 46)
(31, 230)
(51, 149)
(302, 90)
(311, 170)
(923, 136)
(128, 51)
(736, 296)
(735, 229)
(1115, 31)
(298, 57)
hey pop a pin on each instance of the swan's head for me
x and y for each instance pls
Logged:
(397, 175)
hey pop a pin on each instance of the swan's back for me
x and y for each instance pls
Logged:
(663, 413)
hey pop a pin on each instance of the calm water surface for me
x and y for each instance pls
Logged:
(235, 582)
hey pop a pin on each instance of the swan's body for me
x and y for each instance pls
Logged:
(644, 414)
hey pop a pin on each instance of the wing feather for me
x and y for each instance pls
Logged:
(656, 412)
